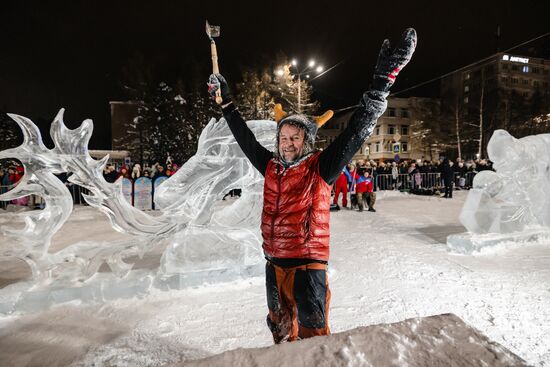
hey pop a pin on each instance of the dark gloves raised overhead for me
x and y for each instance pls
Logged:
(391, 62)
(216, 82)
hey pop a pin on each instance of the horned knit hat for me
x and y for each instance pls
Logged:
(301, 121)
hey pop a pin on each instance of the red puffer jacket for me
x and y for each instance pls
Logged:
(295, 218)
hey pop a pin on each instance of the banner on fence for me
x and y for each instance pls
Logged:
(127, 189)
(143, 193)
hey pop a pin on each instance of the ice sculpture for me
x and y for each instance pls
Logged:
(511, 204)
(190, 210)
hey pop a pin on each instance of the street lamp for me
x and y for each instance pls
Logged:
(309, 68)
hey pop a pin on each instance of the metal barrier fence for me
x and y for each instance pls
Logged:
(403, 182)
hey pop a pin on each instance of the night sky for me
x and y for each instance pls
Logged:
(72, 54)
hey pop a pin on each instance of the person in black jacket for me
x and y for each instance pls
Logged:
(297, 252)
(447, 173)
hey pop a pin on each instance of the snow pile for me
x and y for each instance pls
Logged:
(429, 341)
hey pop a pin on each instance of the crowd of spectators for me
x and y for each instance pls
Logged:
(135, 171)
(10, 175)
(423, 166)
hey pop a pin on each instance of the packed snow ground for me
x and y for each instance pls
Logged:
(385, 267)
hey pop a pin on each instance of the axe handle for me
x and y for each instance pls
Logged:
(215, 69)
(214, 52)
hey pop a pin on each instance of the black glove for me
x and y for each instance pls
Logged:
(217, 82)
(391, 62)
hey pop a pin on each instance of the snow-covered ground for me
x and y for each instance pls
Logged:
(385, 267)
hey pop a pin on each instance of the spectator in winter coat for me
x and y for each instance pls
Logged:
(169, 171)
(415, 175)
(447, 173)
(160, 173)
(111, 174)
(364, 191)
(155, 168)
(13, 176)
(394, 175)
(460, 171)
(124, 172)
(297, 187)
(136, 171)
(341, 186)
(4, 181)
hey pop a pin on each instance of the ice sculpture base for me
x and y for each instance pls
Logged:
(467, 243)
(191, 279)
(26, 297)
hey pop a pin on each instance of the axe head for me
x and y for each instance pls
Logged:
(212, 30)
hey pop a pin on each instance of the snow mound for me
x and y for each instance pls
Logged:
(441, 340)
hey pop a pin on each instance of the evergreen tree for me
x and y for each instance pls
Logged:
(163, 114)
(294, 92)
(425, 131)
(200, 110)
(254, 95)
(138, 85)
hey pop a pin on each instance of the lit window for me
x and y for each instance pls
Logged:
(525, 69)
(466, 88)
(467, 76)
(466, 99)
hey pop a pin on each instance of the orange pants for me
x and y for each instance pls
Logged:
(298, 300)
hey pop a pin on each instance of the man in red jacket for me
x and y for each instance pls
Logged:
(364, 190)
(297, 188)
(341, 186)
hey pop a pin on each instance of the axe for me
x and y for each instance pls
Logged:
(214, 31)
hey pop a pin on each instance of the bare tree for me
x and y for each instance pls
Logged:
(481, 98)
(457, 126)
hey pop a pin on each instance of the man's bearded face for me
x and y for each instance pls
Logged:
(291, 142)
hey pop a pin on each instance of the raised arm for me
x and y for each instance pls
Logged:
(258, 155)
(371, 107)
